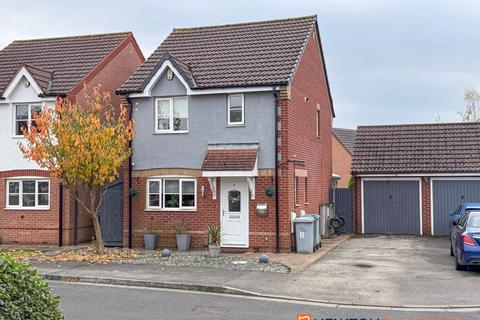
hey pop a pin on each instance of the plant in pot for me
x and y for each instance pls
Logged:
(214, 234)
(183, 238)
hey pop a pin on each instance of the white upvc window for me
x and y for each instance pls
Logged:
(236, 110)
(28, 194)
(171, 115)
(172, 194)
(24, 116)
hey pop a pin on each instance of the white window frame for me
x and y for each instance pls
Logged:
(233, 124)
(20, 194)
(170, 130)
(161, 206)
(29, 117)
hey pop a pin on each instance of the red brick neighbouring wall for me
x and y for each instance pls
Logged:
(301, 147)
(342, 162)
(425, 202)
(261, 228)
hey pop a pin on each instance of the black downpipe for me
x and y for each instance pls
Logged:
(277, 200)
(130, 215)
(60, 215)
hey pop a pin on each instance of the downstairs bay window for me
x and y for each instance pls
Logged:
(171, 194)
(28, 194)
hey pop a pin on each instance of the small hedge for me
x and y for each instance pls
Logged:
(24, 295)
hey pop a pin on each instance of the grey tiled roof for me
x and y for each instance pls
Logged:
(57, 64)
(244, 54)
(417, 148)
(346, 137)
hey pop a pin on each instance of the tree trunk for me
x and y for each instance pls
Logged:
(98, 233)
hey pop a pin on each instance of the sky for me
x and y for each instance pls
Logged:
(388, 61)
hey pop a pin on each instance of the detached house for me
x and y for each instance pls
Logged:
(34, 208)
(233, 128)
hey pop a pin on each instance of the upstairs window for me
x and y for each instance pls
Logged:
(236, 110)
(171, 115)
(28, 194)
(24, 116)
(317, 124)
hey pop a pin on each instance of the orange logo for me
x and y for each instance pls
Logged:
(304, 316)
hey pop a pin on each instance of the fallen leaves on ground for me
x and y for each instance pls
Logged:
(22, 254)
(89, 255)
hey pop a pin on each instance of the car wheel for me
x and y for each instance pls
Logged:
(451, 251)
(458, 266)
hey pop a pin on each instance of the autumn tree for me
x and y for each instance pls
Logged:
(83, 145)
(472, 107)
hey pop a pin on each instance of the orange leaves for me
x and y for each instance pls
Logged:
(81, 144)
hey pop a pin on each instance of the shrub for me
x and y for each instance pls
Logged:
(24, 295)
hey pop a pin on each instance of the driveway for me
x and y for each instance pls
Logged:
(380, 270)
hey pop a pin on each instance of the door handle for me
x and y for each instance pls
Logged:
(223, 213)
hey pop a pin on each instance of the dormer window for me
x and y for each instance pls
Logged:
(24, 116)
(236, 110)
(171, 115)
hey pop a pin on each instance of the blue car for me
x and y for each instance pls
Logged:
(458, 213)
(465, 240)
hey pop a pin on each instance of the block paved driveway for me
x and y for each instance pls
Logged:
(381, 270)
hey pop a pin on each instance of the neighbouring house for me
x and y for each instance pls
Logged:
(233, 128)
(408, 178)
(343, 141)
(34, 208)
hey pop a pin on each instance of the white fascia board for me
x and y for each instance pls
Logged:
(211, 174)
(22, 73)
(421, 175)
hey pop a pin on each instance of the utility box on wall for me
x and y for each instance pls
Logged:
(262, 209)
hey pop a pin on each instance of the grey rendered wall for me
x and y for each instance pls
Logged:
(391, 207)
(447, 196)
(207, 124)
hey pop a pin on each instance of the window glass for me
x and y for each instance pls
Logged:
(180, 114)
(163, 112)
(154, 193)
(28, 194)
(43, 193)
(34, 110)
(235, 112)
(188, 193)
(234, 201)
(172, 194)
(21, 118)
(474, 221)
(14, 193)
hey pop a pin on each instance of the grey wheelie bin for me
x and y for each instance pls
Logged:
(305, 234)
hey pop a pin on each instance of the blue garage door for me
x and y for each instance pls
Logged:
(391, 207)
(447, 196)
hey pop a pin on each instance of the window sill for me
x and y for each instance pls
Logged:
(18, 137)
(240, 125)
(27, 209)
(169, 132)
(170, 210)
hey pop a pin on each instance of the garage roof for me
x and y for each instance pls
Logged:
(417, 148)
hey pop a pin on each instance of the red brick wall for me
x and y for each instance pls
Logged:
(301, 147)
(262, 228)
(114, 74)
(426, 205)
(341, 161)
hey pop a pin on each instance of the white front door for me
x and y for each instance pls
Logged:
(234, 212)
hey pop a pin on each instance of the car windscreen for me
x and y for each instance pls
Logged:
(474, 221)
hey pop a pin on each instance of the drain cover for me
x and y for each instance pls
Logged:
(363, 265)
(209, 311)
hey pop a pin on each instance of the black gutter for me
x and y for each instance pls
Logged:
(130, 215)
(60, 215)
(277, 202)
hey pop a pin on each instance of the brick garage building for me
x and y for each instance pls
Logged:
(260, 87)
(343, 141)
(408, 178)
(33, 73)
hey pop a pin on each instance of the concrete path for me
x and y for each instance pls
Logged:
(386, 271)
